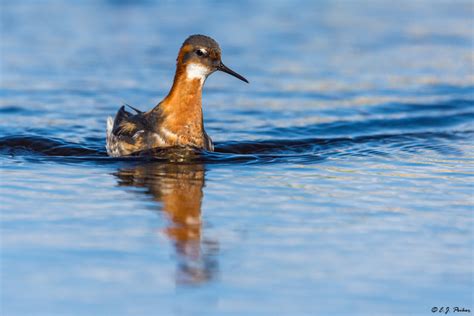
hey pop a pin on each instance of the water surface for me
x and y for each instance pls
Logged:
(341, 182)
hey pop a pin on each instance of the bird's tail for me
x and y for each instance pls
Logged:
(109, 135)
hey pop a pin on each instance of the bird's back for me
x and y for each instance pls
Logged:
(131, 133)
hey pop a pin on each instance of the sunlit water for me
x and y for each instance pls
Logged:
(341, 182)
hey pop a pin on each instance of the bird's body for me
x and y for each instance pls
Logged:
(178, 119)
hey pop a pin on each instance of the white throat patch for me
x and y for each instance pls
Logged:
(197, 71)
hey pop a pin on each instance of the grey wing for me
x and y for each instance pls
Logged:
(208, 142)
(124, 133)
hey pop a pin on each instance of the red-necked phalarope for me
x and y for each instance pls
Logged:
(177, 120)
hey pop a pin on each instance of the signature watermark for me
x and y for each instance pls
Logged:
(448, 309)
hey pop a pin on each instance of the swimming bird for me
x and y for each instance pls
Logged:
(177, 120)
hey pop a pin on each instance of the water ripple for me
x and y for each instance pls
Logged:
(265, 151)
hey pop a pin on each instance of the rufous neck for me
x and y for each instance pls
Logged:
(186, 91)
(183, 105)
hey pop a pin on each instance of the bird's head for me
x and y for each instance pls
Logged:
(200, 56)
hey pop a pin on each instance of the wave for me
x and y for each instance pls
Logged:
(263, 151)
(384, 130)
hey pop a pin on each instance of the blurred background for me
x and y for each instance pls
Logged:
(319, 52)
(342, 182)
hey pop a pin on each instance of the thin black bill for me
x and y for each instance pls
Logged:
(224, 68)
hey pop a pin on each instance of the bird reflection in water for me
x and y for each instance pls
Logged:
(179, 190)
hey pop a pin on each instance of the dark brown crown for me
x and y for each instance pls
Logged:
(202, 40)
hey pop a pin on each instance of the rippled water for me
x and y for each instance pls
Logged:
(341, 182)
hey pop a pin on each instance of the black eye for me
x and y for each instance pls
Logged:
(200, 52)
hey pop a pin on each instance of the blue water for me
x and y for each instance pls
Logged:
(342, 182)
